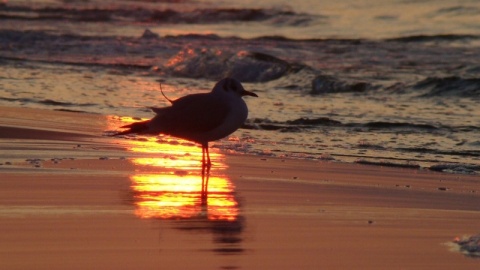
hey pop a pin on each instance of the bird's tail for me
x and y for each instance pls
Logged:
(137, 127)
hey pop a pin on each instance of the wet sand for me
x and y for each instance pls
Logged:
(71, 198)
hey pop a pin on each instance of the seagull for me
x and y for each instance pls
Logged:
(200, 118)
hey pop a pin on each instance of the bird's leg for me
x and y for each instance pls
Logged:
(204, 192)
(206, 164)
(209, 164)
(205, 177)
(204, 168)
(205, 156)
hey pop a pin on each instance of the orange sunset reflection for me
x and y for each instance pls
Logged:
(168, 179)
(179, 197)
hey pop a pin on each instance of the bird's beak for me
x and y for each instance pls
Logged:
(248, 93)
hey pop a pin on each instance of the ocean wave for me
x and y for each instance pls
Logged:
(289, 125)
(246, 66)
(306, 123)
(396, 125)
(388, 164)
(325, 84)
(47, 102)
(212, 57)
(449, 86)
(296, 125)
(146, 15)
(456, 168)
(459, 11)
(71, 49)
(424, 150)
(230, 15)
(430, 38)
(192, 61)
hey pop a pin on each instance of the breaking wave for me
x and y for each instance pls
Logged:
(215, 64)
(244, 59)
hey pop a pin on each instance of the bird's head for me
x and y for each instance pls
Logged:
(230, 85)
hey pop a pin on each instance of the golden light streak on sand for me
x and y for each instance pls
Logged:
(179, 197)
(168, 182)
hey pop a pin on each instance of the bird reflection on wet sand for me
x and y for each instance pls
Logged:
(170, 184)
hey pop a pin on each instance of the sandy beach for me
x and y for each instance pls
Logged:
(72, 198)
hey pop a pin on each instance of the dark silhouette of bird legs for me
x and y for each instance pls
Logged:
(205, 156)
(206, 164)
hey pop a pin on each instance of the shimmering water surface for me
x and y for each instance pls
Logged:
(365, 81)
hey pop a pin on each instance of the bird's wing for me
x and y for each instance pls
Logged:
(192, 113)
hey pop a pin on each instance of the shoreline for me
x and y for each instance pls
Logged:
(23, 127)
(71, 198)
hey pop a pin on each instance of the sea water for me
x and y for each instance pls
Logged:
(393, 82)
